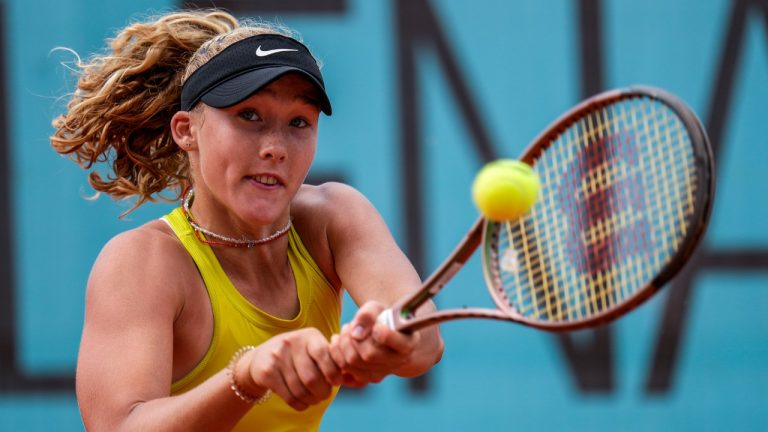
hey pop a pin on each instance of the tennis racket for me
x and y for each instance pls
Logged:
(627, 185)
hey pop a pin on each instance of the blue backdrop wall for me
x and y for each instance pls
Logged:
(424, 92)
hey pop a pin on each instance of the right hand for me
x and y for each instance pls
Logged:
(368, 351)
(296, 365)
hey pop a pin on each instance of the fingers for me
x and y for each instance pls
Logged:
(295, 392)
(367, 351)
(394, 340)
(303, 381)
(298, 367)
(319, 351)
(366, 323)
(365, 320)
(385, 349)
(267, 370)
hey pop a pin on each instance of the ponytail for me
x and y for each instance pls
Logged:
(121, 109)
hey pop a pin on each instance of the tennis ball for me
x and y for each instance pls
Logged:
(505, 189)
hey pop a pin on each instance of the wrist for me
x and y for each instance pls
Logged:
(241, 381)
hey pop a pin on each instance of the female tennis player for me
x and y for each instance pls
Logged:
(220, 315)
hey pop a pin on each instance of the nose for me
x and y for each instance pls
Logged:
(273, 147)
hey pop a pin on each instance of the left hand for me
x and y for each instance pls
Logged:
(367, 351)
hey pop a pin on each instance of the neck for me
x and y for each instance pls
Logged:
(221, 238)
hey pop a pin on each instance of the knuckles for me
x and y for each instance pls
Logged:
(315, 381)
(355, 362)
(369, 353)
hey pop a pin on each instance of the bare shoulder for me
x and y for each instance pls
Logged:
(324, 193)
(146, 264)
(333, 207)
(328, 200)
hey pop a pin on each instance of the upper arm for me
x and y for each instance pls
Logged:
(133, 297)
(369, 263)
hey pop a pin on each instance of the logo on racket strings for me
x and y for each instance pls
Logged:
(602, 197)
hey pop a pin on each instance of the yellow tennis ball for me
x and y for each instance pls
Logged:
(505, 189)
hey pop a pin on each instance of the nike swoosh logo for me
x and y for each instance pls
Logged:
(263, 53)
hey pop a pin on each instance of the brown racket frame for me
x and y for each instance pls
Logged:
(401, 316)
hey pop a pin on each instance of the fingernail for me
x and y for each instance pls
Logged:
(358, 332)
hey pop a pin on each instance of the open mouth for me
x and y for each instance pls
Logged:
(266, 180)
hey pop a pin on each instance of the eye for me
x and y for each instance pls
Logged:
(299, 122)
(249, 114)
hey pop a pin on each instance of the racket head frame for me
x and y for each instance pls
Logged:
(401, 316)
(704, 197)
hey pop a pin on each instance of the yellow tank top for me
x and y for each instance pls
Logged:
(238, 322)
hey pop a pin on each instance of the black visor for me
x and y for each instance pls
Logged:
(244, 67)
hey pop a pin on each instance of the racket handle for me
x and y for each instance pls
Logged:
(387, 317)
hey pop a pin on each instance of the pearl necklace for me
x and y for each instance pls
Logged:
(224, 240)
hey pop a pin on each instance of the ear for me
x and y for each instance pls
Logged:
(183, 131)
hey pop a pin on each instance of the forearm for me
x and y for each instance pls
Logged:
(210, 406)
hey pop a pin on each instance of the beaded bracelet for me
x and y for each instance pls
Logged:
(242, 394)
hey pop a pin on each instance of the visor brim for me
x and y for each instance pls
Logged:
(239, 88)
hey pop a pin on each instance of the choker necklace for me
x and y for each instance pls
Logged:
(222, 239)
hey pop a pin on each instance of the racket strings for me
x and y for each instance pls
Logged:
(618, 190)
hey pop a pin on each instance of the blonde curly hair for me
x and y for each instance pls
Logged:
(121, 109)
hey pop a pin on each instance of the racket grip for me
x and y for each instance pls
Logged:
(387, 317)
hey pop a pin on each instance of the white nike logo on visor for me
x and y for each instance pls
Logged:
(264, 53)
